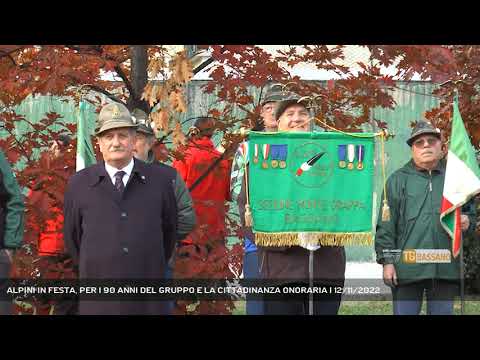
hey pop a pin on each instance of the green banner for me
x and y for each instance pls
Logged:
(317, 186)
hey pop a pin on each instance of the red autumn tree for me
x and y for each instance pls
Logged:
(148, 77)
(69, 71)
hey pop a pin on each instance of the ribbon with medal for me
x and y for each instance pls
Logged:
(282, 155)
(255, 156)
(279, 156)
(266, 150)
(351, 156)
(342, 153)
(274, 154)
(360, 156)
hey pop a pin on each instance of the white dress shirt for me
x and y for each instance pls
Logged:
(112, 171)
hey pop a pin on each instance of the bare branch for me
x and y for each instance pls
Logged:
(244, 109)
(106, 93)
(124, 77)
(98, 50)
(8, 54)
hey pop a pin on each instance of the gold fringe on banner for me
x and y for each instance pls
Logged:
(322, 238)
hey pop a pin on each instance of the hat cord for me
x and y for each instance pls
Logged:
(248, 211)
(386, 208)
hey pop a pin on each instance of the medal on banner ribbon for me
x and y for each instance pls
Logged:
(360, 156)
(266, 150)
(274, 154)
(255, 155)
(282, 155)
(342, 153)
(351, 156)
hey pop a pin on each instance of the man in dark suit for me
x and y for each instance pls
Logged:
(120, 216)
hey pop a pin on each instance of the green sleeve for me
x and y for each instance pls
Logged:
(186, 214)
(15, 207)
(386, 233)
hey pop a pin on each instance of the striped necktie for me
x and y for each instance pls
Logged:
(119, 182)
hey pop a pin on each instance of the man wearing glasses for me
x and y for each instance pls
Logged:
(267, 123)
(414, 194)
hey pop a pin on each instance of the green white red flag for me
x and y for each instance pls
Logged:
(462, 179)
(85, 153)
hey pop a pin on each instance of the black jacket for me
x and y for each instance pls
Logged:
(113, 236)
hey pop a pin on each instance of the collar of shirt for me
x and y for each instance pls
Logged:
(437, 168)
(112, 171)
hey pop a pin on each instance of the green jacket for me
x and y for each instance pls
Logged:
(414, 198)
(186, 214)
(12, 207)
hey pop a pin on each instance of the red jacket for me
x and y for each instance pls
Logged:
(50, 242)
(210, 195)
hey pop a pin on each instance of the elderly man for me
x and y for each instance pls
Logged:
(267, 123)
(292, 263)
(414, 195)
(143, 151)
(120, 216)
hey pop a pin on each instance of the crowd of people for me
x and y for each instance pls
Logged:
(127, 216)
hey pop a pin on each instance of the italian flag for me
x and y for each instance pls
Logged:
(462, 179)
(85, 153)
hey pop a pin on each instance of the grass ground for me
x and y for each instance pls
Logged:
(378, 308)
(385, 308)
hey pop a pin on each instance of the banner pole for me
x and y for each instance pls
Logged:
(310, 274)
(462, 279)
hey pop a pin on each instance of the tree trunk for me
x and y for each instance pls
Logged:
(139, 77)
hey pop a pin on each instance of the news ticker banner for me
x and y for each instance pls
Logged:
(167, 290)
(314, 187)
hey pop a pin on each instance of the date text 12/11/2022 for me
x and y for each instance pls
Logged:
(344, 290)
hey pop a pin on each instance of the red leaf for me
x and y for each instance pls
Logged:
(12, 155)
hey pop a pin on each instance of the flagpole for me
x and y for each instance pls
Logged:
(311, 254)
(462, 270)
(462, 264)
(462, 278)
